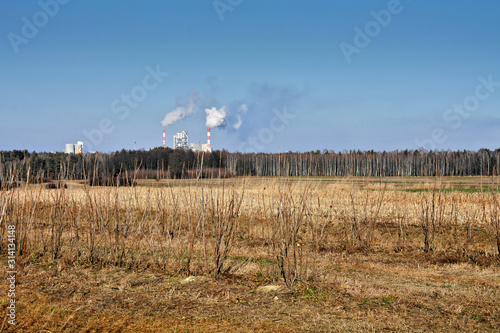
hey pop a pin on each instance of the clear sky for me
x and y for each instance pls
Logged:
(299, 75)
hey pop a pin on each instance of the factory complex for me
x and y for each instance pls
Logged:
(181, 141)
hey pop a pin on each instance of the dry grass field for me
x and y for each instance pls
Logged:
(256, 255)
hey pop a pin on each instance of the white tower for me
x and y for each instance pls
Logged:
(181, 140)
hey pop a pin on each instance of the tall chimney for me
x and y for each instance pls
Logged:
(208, 138)
(163, 138)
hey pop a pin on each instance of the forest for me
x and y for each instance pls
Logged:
(166, 163)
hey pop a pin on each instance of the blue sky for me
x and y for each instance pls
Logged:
(286, 61)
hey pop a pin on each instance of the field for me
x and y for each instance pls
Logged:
(256, 254)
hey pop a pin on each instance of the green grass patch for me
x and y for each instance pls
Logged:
(314, 293)
(249, 259)
(387, 301)
(464, 189)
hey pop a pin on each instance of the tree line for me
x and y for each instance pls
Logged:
(155, 163)
(405, 163)
(161, 163)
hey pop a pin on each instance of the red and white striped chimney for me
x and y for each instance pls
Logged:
(163, 138)
(208, 138)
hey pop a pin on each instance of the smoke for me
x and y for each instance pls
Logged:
(226, 116)
(238, 124)
(257, 105)
(216, 117)
(182, 111)
(243, 108)
(242, 115)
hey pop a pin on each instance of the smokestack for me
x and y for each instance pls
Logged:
(208, 138)
(163, 138)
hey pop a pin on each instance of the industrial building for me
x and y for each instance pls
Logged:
(72, 148)
(206, 148)
(181, 140)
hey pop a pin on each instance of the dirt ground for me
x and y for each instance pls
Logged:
(365, 292)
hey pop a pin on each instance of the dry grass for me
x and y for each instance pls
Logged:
(346, 256)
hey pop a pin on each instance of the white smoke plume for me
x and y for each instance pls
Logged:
(243, 108)
(238, 124)
(181, 111)
(216, 117)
